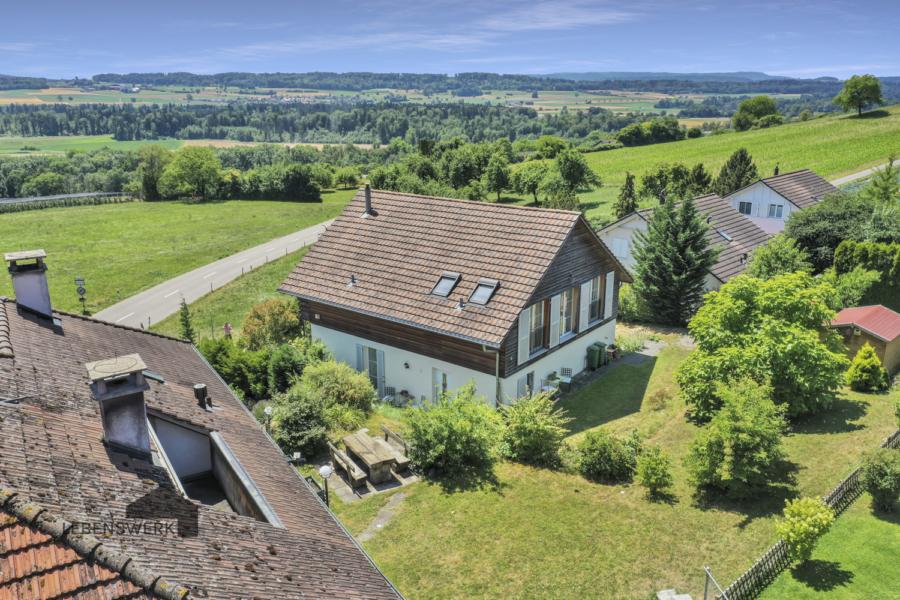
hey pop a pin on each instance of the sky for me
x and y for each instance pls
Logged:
(55, 38)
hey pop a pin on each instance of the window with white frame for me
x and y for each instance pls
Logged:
(775, 211)
(538, 337)
(595, 305)
(372, 366)
(568, 320)
(620, 248)
(745, 208)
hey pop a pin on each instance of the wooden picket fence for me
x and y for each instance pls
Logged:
(755, 579)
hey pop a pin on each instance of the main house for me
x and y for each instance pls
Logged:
(128, 470)
(426, 294)
(736, 236)
(770, 201)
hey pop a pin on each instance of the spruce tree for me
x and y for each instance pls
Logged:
(673, 259)
(187, 328)
(738, 171)
(627, 202)
(699, 180)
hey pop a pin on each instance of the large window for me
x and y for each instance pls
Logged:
(537, 339)
(372, 366)
(775, 211)
(568, 321)
(745, 208)
(596, 300)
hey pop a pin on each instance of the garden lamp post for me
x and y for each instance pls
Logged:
(268, 411)
(325, 472)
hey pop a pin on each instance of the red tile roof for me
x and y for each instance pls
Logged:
(52, 453)
(724, 218)
(398, 255)
(879, 321)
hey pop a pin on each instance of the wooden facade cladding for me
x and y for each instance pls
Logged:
(399, 335)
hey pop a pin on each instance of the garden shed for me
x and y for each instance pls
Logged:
(877, 325)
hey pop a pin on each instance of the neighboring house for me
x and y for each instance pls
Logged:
(128, 469)
(877, 325)
(735, 235)
(427, 294)
(770, 201)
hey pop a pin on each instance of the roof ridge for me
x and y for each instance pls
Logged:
(789, 173)
(6, 349)
(514, 206)
(88, 546)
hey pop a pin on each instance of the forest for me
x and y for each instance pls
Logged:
(317, 123)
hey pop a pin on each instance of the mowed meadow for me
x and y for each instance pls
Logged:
(827, 146)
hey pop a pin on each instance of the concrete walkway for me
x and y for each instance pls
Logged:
(155, 304)
(860, 175)
(382, 518)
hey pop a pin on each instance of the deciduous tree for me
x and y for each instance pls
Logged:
(860, 92)
(527, 178)
(496, 176)
(778, 256)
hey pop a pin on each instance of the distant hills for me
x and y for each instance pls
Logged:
(736, 76)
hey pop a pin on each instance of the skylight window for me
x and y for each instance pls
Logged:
(726, 236)
(484, 291)
(445, 284)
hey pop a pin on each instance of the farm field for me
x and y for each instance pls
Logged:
(827, 146)
(232, 144)
(59, 144)
(138, 245)
(526, 533)
(851, 562)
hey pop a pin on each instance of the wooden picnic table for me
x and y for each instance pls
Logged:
(377, 459)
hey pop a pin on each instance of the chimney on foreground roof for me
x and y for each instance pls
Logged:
(30, 280)
(118, 384)
(662, 197)
(776, 168)
(368, 191)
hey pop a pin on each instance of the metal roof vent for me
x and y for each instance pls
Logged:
(352, 280)
(368, 212)
(462, 304)
(118, 384)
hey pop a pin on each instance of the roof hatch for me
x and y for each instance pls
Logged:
(445, 284)
(484, 291)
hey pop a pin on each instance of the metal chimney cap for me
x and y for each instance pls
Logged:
(115, 367)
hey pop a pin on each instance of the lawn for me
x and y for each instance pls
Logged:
(232, 302)
(135, 246)
(59, 144)
(525, 533)
(827, 146)
(856, 560)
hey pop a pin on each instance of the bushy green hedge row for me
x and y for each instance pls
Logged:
(63, 202)
(883, 258)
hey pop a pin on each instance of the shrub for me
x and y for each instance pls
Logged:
(737, 449)
(632, 341)
(287, 362)
(607, 457)
(881, 476)
(246, 372)
(631, 308)
(272, 323)
(340, 384)
(805, 521)
(298, 422)
(897, 411)
(653, 470)
(694, 132)
(341, 416)
(456, 432)
(659, 399)
(866, 373)
(534, 430)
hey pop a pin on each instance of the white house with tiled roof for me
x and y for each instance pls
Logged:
(427, 294)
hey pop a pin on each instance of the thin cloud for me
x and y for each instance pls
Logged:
(549, 16)
(18, 46)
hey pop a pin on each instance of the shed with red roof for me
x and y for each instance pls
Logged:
(877, 325)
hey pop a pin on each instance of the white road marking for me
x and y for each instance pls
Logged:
(270, 249)
(242, 260)
(210, 275)
(125, 317)
(172, 294)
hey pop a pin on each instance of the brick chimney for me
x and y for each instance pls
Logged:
(118, 384)
(30, 280)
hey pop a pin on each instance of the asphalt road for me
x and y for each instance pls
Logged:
(159, 302)
(860, 175)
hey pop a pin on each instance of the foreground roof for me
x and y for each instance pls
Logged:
(878, 320)
(53, 458)
(725, 222)
(397, 255)
(802, 188)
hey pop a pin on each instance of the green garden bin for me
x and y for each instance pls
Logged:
(593, 353)
(602, 348)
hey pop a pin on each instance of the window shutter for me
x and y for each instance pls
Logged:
(522, 388)
(585, 315)
(524, 335)
(360, 365)
(554, 321)
(610, 288)
(380, 361)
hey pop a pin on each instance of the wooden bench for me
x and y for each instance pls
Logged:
(397, 438)
(401, 462)
(355, 475)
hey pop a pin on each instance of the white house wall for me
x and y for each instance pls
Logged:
(419, 377)
(761, 196)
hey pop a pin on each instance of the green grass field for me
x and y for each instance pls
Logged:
(138, 245)
(856, 560)
(827, 146)
(59, 145)
(533, 533)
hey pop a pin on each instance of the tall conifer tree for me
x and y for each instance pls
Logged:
(627, 201)
(738, 171)
(187, 328)
(673, 259)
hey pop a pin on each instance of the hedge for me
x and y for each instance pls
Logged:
(884, 258)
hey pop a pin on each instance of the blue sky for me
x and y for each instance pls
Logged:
(801, 38)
